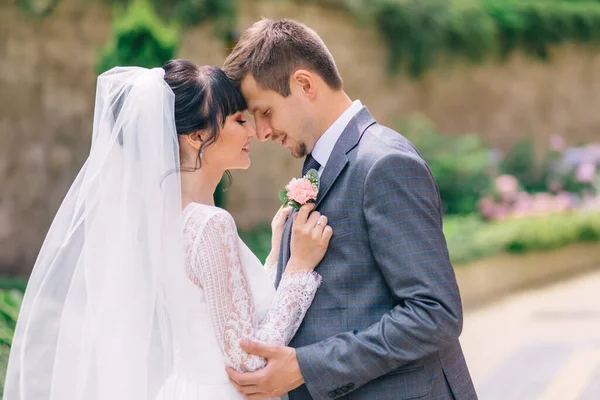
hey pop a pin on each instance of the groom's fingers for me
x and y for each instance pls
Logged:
(243, 381)
(264, 350)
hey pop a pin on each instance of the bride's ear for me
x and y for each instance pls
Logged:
(194, 139)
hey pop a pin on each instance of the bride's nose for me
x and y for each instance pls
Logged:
(251, 130)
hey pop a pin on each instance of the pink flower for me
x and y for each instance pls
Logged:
(301, 191)
(506, 185)
(586, 172)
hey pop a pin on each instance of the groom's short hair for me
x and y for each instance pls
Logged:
(272, 49)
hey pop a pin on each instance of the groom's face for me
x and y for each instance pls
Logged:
(282, 119)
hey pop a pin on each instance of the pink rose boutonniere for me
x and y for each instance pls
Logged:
(301, 191)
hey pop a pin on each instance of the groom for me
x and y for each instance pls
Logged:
(386, 320)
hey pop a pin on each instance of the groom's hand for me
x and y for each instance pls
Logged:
(281, 374)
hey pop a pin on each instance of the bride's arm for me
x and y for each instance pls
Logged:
(218, 270)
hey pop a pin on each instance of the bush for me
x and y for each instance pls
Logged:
(477, 239)
(521, 163)
(139, 38)
(258, 240)
(460, 164)
(10, 302)
(470, 237)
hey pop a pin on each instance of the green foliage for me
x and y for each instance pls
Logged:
(4, 352)
(39, 8)
(470, 238)
(458, 163)
(422, 33)
(258, 240)
(521, 163)
(194, 12)
(140, 38)
(417, 31)
(10, 302)
(220, 195)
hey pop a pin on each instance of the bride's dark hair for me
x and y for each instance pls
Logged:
(204, 98)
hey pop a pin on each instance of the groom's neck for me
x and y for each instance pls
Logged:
(334, 103)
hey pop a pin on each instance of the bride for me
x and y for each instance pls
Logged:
(142, 288)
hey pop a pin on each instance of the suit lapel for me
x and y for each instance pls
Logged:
(335, 165)
(347, 141)
(284, 248)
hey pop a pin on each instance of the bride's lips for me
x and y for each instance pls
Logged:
(246, 148)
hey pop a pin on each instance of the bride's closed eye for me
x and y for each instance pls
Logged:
(241, 121)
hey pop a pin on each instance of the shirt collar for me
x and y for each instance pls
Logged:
(324, 146)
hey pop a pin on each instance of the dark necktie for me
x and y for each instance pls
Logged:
(309, 163)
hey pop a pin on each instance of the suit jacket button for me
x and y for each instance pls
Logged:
(350, 386)
(338, 392)
(331, 394)
(345, 389)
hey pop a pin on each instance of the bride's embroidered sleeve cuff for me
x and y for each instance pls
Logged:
(310, 280)
(271, 268)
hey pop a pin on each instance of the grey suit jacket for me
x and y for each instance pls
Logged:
(384, 325)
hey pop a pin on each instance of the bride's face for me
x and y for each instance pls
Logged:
(232, 148)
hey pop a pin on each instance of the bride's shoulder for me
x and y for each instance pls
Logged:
(203, 215)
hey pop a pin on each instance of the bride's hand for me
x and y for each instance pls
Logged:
(310, 239)
(277, 231)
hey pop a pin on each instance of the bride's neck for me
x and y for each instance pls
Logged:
(199, 186)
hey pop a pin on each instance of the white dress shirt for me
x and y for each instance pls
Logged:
(324, 146)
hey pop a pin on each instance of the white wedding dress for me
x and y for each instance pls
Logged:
(235, 298)
(122, 304)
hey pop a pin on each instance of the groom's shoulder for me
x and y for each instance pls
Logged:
(379, 141)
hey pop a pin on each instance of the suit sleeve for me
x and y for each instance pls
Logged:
(404, 219)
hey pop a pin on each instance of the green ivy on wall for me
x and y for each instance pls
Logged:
(423, 33)
(39, 8)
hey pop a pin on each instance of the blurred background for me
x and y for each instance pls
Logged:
(502, 97)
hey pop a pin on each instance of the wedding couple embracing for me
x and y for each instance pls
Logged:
(144, 290)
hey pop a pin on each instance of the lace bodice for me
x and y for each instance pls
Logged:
(214, 258)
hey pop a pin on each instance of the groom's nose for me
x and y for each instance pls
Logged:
(263, 131)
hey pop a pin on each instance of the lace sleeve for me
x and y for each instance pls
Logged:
(219, 272)
(271, 269)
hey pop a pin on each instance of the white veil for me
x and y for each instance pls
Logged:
(104, 296)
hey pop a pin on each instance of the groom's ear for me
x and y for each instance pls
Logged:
(305, 80)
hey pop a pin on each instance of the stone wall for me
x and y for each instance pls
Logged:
(47, 91)
(46, 104)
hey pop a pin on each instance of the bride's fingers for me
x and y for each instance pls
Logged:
(327, 233)
(302, 215)
(285, 212)
(312, 220)
(320, 226)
